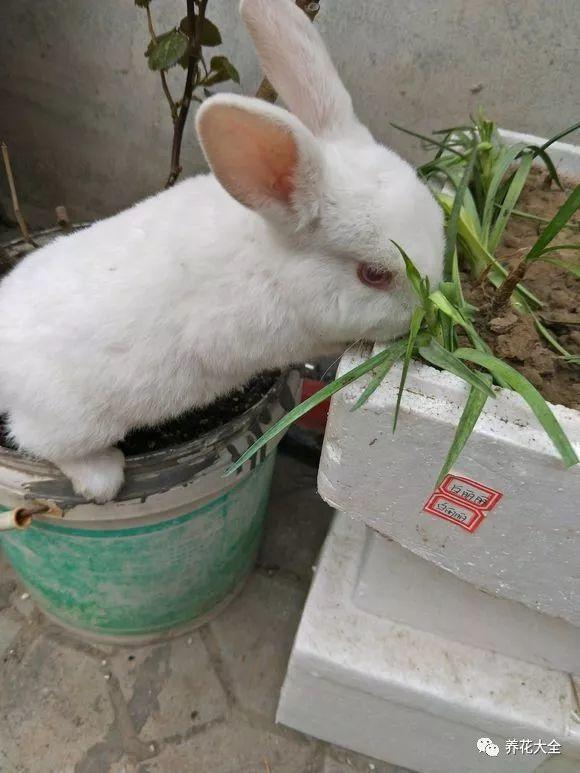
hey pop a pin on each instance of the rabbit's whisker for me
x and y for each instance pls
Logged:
(348, 348)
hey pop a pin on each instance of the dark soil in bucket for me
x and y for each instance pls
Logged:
(514, 337)
(192, 424)
(195, 423)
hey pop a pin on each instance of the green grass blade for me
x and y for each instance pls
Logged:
(471, 413)
(416, 320)
(469, 206)
(396, 351)
(413, 274)
(552, 171)
(453, 221)
(557, 247)
(504, 187)
(552, 340)
(447, 140)
(479, 344)
(471, 209)
(480, 258)
(538, 219)
(449, 336)
(439, 165)
(456, 280)
(560, 219)
(473, 251)
(511, 199)
(305, 406)
(428, 140)
(454, 130)
(561, 134)
(453, 315)
(573, 268)
(506, 158)
(445, 305)
(530, 394)
(451, 292)
(439, 356)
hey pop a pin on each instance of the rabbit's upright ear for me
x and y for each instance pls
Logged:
(296, 62)
(263, 156)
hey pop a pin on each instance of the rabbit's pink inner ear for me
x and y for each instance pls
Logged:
(253, 157)
(284, 186)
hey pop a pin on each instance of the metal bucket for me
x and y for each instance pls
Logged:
(171, 550)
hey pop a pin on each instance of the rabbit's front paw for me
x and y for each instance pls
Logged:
(98, 476)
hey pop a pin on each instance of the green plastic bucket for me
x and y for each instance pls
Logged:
(168, 553)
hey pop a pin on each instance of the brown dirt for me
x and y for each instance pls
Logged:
(514, 337)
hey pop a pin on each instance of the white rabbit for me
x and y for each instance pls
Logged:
(283, 254)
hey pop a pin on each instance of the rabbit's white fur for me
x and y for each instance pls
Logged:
(189, 293)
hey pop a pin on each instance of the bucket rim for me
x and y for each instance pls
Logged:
(203, 443)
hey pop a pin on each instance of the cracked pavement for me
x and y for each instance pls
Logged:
(203, 702)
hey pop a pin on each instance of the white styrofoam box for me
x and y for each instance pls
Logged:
(412, 698)
(527, 549)
(398, 585)
(566, 157)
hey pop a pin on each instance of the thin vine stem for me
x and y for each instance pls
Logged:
(196, 22)
(164, 85)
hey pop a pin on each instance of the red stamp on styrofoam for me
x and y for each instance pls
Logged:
(469, 518)
(462, 501)
(467, 490)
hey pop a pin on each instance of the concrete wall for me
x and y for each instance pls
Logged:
(87, 124)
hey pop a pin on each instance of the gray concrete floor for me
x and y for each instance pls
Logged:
(198, 704)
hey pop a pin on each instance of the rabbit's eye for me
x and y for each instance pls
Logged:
(374, 276)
